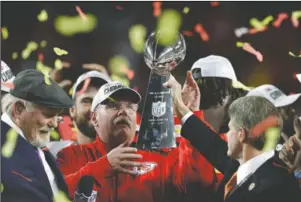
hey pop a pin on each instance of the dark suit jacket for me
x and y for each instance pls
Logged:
(23, 176)
(271, 182)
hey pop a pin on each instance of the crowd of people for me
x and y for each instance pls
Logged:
(225, 150)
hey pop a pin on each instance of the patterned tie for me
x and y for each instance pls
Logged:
(230, 184)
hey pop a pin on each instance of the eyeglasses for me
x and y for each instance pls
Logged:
(117, 106)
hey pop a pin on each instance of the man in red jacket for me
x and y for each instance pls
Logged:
(180, 175)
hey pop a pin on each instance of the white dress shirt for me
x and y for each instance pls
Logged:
(5, 118)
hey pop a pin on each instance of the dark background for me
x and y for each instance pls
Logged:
(111, 37)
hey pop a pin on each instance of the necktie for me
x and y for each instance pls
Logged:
(230, 184)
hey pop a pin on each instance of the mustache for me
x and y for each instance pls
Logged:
(122, 120)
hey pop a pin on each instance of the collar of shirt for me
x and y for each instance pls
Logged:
(5, 118)
(252, 165)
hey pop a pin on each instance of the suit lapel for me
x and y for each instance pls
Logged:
(29, 157)
(57, 173)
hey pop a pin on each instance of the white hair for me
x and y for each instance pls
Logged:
(8, 101)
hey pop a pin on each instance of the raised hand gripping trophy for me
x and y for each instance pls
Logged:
(157, 124)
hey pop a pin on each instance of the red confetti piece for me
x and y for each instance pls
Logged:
(81, 13)
(41, 57)
(200, 29)
(279, 20)
(214, 3)
(254, 31)
(247, 47)
(130, 74)
(157, 8)
(188, 33)
(261, 127)
(85, 86)
(120, 8)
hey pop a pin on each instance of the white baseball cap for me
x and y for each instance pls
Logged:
(214, 66)
(274, 95)
(114, 88)
(91, 74)
(6, 76)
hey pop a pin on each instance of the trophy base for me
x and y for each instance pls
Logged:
(145, 168)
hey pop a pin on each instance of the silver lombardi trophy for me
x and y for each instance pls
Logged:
(157, 124)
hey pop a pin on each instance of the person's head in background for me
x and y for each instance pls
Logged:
(246, 139)
(84, 90)
(284, 103)
(7, 78)
(215, 76)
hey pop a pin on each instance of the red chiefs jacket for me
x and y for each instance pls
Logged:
(182, 174)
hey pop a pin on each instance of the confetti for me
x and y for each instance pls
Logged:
(214, 3)
(70, 91)
(47, 79)
(292, 54)
(279, 20)
(267, 20)
(200, 29)
(121, 79)
(1, 188)
(255, 23)
(239, 85)
(241, 31)
(168, 27)
(60, 197)
(43, 44)
(31, 46)
(58, 64)
(119, 8)
(298, 76)
(10, 144)
(295, 18)
(41, 57)
(261, 127)
(272, 137)
(59, 51)
(186, 10)
(130, 73)
(43, 68)
(43, 16)
(14, 55)
(247, 47)
(81, 13)
(85, 86)
(54, 135)
(117, 65)
(254, 31)
(157, 8)
(4, 33)
(187, 33)
(137, 34)
(69, 26)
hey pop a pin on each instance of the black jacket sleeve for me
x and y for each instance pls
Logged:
(208, 143)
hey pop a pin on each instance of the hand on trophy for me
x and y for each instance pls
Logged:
(190, 93)
(121, 158)
(176, 91)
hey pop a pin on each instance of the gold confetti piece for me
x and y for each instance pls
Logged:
(254, 22)
(25, 54)
(168, 27)
(43, 16)
(186, 10)
(1, 187)
(54, 135)
(70, 91)
(121, 79)
(47, 79)
(58, 64)
(31, 46)
(292, 54)
(69, 26)
(15, 55)
(59, 51)
(239, 44)
(272, 136)
(43, 68)
(60, 197)
(10, 144)
(296, 14)
(239, 85)
(137, 34)
(4, 33)
(117, 65)
(267, 20)
(43, 44)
